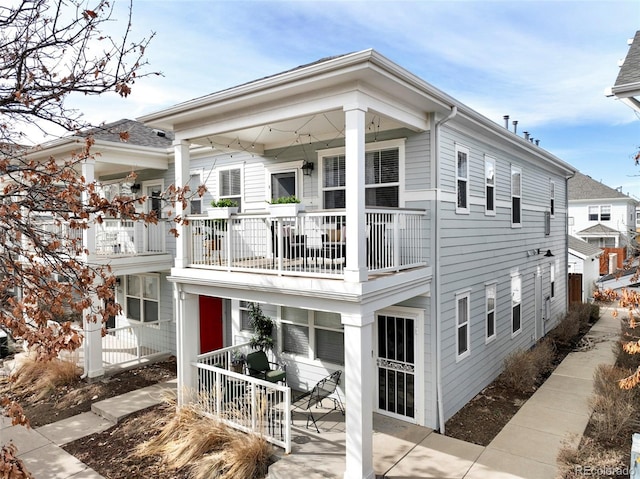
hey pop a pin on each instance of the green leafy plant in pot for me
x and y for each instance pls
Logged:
(262, 328)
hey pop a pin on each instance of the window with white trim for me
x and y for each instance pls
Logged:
(314, 335)
(490, 292)
(490, 185)
(245, 319)
(142, 297)
(463, 334)
(230, 185)
(552, 198)
(382, 178)
(552, 280)
(516, 304)
(516, 196)
(195, 180)
(462, 179)
(600, 213)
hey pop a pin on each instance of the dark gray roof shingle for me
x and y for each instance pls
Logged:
(630, 70)
(583, 247)
(583, 187)
(139, 134)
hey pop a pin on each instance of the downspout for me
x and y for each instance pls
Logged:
(436, 264)
(566, 241)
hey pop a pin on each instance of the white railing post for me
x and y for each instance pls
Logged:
(139, 341)
(397, 244)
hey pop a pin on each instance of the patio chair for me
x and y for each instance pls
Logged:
(326, 388)
(260, 367)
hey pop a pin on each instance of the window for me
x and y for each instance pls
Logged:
(516, 299)
(552, 199)
(195, 180)
(245, 320)
(462, 179)
(143, 297)
(463, 311)
(600, 213)
(283, 184)
(547, 223)
(490, 185)
(552, 279)
(516, 196)
(230, 185)
(382, 179)
(490, 308)
(312, 334)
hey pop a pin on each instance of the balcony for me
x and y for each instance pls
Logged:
(308, 244)
(113, 237)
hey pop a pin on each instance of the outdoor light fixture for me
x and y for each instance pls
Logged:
(135, 187)
(307, 168)
(549, 254)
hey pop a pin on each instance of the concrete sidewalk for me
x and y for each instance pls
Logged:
(41, 450)
(526, 448)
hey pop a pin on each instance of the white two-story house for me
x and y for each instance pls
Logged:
(140, 256)
(604, 217)
(433, 240)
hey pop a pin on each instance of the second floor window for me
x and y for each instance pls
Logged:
(516, 196)
(382, 179)
(490, 185)
(600, 213)
(462, 180)
(230, 185)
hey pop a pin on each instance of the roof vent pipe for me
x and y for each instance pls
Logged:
(537, 142)
(526, 135)
(515, 126)
(506, 121)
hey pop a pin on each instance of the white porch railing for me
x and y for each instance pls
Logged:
(125, 237)
(244, 402)
(135, 342)
(309, 244)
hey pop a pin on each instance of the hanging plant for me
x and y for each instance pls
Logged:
(262, 328)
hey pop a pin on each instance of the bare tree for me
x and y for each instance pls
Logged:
(49, 50)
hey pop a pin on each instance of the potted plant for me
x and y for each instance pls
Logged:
(222, 208)
(262, 328)
(286, 206)
(237, 361)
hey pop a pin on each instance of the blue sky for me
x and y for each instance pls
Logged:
(544, 63)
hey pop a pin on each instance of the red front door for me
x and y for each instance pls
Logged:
(211, 330)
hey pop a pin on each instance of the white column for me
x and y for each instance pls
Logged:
(188, 347)
(92, 343)
(89, 234)
(356, 267)
(182, 160)
(358, 336)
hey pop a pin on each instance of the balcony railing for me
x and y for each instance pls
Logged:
(308, 244)
(114, 237)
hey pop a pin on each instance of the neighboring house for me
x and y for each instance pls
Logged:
(140, 255)
(604, 217)
(584, 269)
(433, 242)
(627, 85)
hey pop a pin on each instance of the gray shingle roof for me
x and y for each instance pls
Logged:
(583, 247)
(583, 187)
(630, 70)
(598, 229)
(139, 134)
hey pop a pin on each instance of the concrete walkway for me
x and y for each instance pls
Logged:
(526, 448)
(40, 448)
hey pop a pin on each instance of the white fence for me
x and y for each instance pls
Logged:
(136, 342)
(244, 402)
